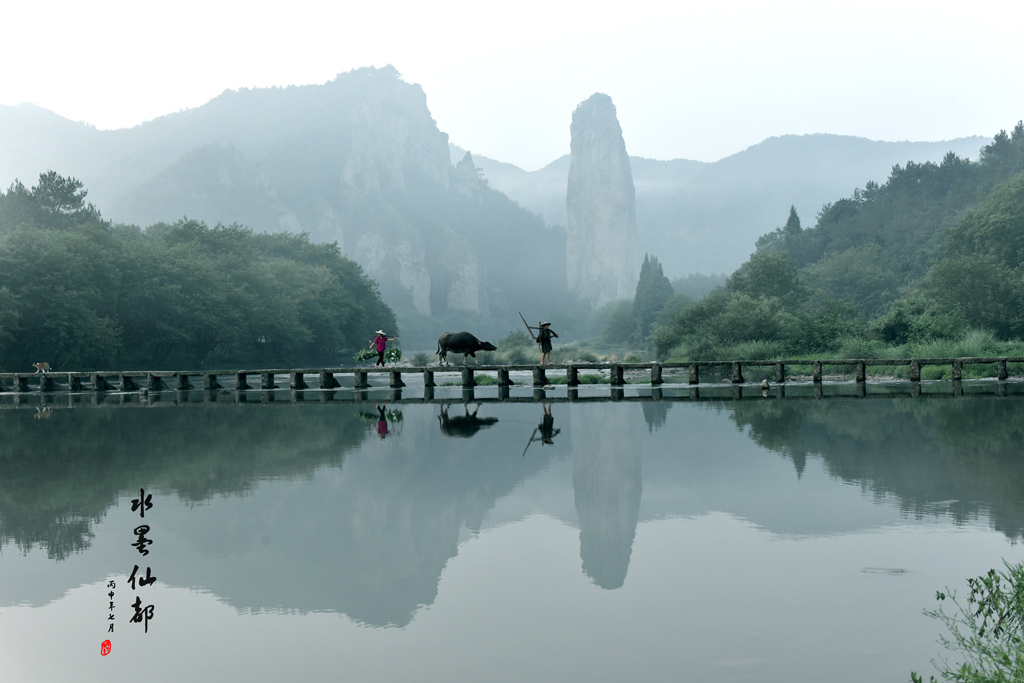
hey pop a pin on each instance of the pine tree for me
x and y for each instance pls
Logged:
(653, 290)
(792, 226)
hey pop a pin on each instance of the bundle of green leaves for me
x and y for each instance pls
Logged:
(987, 630)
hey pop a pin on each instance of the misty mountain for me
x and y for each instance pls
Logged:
(705, 217)
(358, 160)
(454, 241)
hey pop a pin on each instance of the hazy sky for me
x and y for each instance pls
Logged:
(690, 80)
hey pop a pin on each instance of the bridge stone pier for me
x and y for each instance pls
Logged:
(617, 374)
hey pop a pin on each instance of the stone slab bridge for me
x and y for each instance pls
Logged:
(180, 380)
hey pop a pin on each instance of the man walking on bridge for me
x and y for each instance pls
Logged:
(544, 336)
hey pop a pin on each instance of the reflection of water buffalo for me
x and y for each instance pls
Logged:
(463, 426)
(461, 342)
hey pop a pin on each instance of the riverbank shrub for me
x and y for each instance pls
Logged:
(986, 629)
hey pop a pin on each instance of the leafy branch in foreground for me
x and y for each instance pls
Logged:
(987, 630)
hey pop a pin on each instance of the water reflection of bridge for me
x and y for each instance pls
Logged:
(505, 394)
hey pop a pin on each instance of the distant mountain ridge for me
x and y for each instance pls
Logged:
(360, 161)
(705, 217)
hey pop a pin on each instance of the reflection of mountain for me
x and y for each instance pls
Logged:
(371, 541)
(257, 509)
(655, 413)
(964, 453)
(59, 477)
(606, 455)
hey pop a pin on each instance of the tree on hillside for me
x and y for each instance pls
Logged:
(55, 202)
(768, 275)
(792, 226)
(653, 290)
(981, 273)
(781, 238)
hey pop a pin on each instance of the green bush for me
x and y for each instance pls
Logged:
(571, 353)
(515, 339)
(986, 629)
(858, 347)
(517, 355)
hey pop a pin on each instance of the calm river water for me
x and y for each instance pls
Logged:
(703, 538)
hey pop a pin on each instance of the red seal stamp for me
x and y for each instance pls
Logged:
(105, 648)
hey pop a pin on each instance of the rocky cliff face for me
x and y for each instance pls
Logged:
(358, 160)
(601, 262)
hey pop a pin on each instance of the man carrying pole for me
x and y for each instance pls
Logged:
(543, 337)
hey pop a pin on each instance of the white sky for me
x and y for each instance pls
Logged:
(696, 80)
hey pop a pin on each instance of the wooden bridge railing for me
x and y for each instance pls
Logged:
(327, 377)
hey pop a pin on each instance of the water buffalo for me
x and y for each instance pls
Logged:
(461, 342)
(463, 426)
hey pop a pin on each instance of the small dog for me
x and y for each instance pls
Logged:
(43, 413)
(43, 367)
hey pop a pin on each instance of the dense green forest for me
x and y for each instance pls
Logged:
(82, 293)
(928, 262)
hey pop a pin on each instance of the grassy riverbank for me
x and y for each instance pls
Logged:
(975, 343)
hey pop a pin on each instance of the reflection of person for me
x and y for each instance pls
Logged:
(380, 343)
(546, 428)
(382, 421)
(544, 336)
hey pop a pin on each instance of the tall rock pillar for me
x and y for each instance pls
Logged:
(601, 263)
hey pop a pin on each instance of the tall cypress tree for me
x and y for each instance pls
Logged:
(653, 290)
(792, 226)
